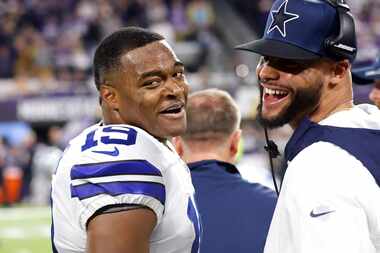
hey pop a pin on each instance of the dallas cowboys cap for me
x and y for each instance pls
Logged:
(296, 29)
(367, 74)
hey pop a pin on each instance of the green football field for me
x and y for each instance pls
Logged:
(25, 230)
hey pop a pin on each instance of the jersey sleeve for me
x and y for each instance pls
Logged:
(117, 172)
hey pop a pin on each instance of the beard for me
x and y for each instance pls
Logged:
(304, 102)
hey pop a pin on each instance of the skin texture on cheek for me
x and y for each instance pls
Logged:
(304, 93)
(303, 102)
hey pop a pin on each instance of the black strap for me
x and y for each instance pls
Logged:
(273, 152)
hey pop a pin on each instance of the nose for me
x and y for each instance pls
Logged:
(266, 72)
(176, 88)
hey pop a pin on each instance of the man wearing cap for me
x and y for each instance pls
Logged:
(329, 199)
(369, 74)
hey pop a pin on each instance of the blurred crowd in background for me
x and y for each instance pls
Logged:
(53, 41)
(48, 45)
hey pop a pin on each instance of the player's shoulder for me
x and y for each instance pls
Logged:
(114, 164)
(118, 148)
(324, 153)
(326, 162)
(314, 163)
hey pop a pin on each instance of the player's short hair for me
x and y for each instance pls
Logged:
(211, 113)
(108, 53)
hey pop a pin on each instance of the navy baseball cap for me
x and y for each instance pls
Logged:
(367, 74)
(297, 29)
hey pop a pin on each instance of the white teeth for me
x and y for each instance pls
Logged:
(274, 92)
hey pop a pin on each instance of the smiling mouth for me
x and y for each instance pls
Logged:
(273, 95)
(173, 109)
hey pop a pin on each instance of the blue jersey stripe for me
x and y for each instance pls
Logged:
(192, 214)
(151, 189)
(128, 167)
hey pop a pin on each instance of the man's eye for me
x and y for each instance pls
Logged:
(151, 83)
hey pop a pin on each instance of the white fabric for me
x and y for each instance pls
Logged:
(325, 178)
(174, 232)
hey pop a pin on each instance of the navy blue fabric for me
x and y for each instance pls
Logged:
(88, 190)
(363, 144)
(235, 214)
(114, 168)
(307, 31)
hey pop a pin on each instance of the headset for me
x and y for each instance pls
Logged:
(343, 45)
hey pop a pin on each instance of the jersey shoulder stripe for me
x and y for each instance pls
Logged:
(115, 178)
(89, 190)
(113, 168)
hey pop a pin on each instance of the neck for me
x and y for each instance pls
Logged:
(318, 116)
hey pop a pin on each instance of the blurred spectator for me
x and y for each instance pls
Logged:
(3, 165)
(107, 21)
(11, 175)
(133, 13)
(45, 161)
(201, 14)
(369, 74)
(158, 18)
(23, 156)
(7, 60)
(179, 19)
(367, 14)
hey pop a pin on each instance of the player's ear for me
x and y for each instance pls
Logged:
(339, 72)
(234, 142)
(108, 95)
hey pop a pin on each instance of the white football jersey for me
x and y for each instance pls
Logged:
(122, 164)
(329, 200)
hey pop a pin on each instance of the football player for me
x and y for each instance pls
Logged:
(122, 187)
(369, 74)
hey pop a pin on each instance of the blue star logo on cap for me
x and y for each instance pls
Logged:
(280, 17)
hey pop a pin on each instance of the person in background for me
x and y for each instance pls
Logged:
(122, 187)
(235, 213)
(329, 199)
(44, 162)
(369, 74)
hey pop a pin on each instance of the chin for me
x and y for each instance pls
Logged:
(175, 129)
(176, 132)
(273, 121)
(168, 133)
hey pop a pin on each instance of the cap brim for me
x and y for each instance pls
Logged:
(366, 75)
(274, 48)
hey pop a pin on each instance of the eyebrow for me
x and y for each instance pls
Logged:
(159, 72)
